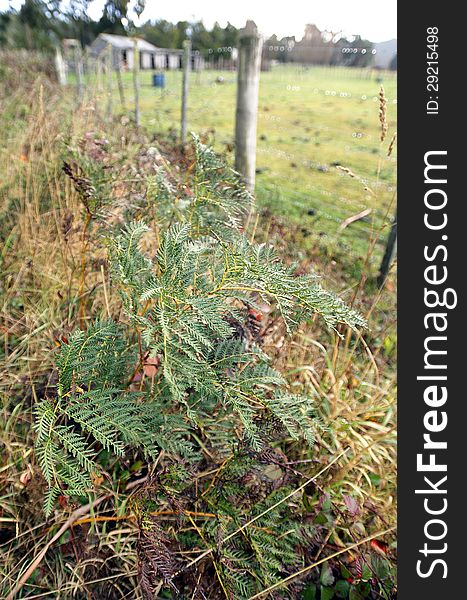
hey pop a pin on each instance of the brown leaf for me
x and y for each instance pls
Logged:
(151, 366)
(25, 477)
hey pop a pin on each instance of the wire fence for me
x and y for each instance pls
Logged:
(311, 120)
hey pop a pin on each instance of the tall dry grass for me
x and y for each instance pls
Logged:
(50, 268)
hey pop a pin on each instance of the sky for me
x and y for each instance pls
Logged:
(372, 19)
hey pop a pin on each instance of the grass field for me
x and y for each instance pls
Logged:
(309, 121)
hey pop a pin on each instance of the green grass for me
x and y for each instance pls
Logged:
(309, 120)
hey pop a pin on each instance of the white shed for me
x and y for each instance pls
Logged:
(150, 56)
(123, 50)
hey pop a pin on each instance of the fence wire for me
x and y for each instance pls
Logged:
(311, 121)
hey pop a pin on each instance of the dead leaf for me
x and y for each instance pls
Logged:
(25, 477)
(151, 366)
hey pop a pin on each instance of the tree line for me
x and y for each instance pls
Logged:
(41, 25)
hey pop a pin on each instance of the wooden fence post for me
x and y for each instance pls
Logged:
(185, 82)
(87, 74)
(109, 68)
(93, 81)
(249, 62)
(79, 73)
(99, 74)
(136, 82)
(389, 254)
(60, 66)
(121, 90)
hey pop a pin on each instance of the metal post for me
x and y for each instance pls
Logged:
(389, 254)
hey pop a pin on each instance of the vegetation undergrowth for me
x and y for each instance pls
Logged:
(198, 430)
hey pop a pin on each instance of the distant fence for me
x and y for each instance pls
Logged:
(292, 158)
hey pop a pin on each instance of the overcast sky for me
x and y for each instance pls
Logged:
(372, 19)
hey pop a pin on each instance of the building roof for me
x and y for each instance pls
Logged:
(126, 43)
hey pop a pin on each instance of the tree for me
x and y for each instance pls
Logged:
(116, 12)
(164, 34)
(161, 33)
(230, 35)
(200, 37)
(353, 53)
(36, 26)
(76, 22)
(39, 25)
(279, 49)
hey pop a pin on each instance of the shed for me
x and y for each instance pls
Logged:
(123, 50)
(150, 56)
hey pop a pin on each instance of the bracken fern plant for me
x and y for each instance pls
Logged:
(188, 282)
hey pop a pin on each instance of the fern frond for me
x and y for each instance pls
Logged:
(297, 414)
(50, 498)
(184, 308)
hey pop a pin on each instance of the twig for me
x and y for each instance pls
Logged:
(75, 515)
(106, 298)
(155, 513)
(354, 218)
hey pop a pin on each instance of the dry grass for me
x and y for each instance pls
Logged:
(383, 114)
(44, 284)
(54, 278)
